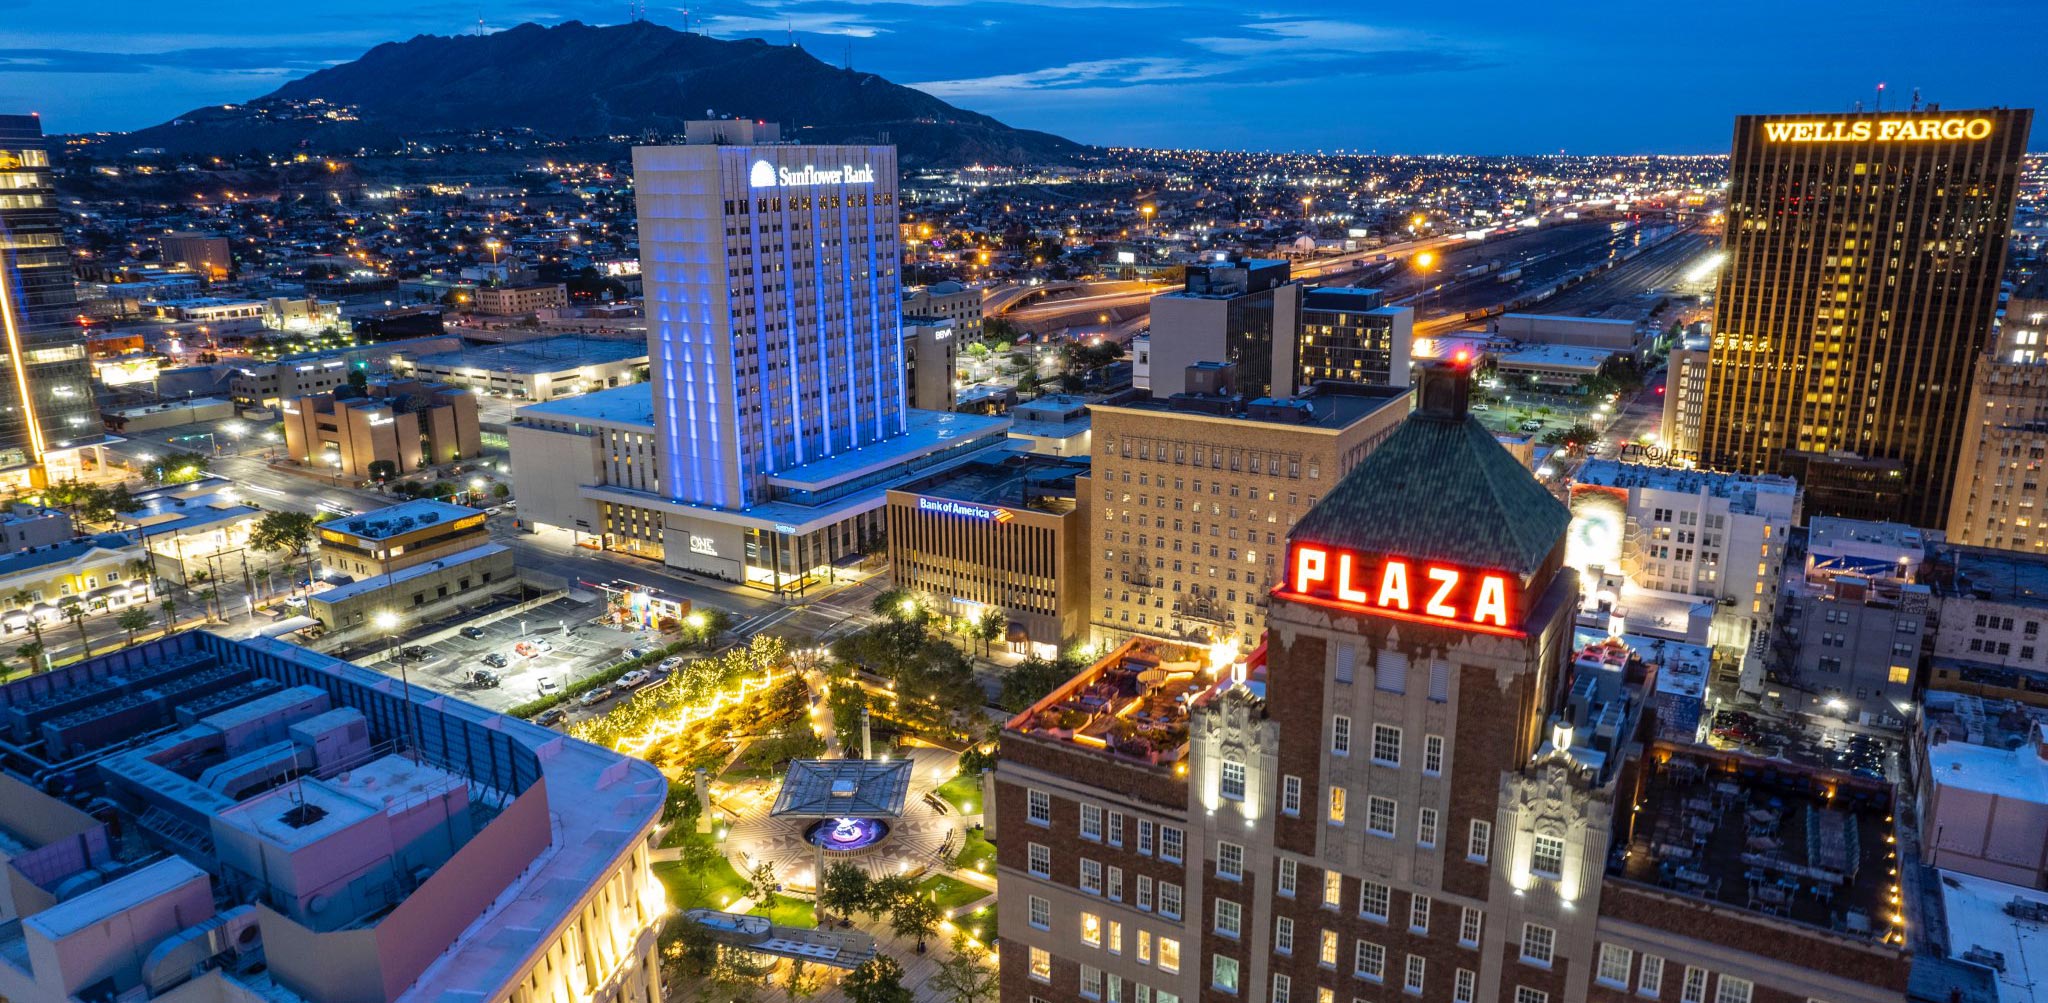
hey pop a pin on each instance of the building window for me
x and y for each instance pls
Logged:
(1231, 787)
(1041, 965)
(1733, 990)
(1038, 808)
(1425, 828)
(1538, 944)
(1170, 840)
(1479, 845)
(1650, 980)
(1169, 955)
(1373, 900)
(1333, 888)
(1465, 987)
(1091, 982)
(1091, 823)
(1116, 828)
(1041, 913)
(1386, 745)
(1283, 936)
(1412, 981)
(1418, 914)
(1469, 923)
(1223, 974)
(1229, 918)
(1432, 755)
(1290, 796)
(1336, 806)
(1283, 988)
(1040, 863)
(1380, 816)
(1369, 961)
(1116, 937)
(1547, 858)
(1229, 860)
(1144, 899)
(1169, 899)
(1091, 929)
(1694, 988)
(1524, 994)
(1144, 838)
(1091, 876)
(1615, 961)
(1327, 956)
(1340, 735)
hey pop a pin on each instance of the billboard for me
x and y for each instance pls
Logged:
(1599, 522)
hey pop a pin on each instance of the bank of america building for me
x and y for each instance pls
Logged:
(774, 418)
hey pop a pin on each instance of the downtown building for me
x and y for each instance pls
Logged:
(1282, 335)
(253, 822)
(49, 424)
(1865, 253)
(775, 418)
(1413, 789)
(2001, 499)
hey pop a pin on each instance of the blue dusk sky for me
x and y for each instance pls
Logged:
(1481, 76)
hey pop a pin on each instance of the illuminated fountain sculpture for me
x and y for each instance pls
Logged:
(852, 802)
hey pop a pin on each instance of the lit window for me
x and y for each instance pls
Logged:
(1041, 965)
(1327, 954)
(1169, 955)
(1333, 888)
(1091, 929)
(1336, 806)
(1547, 858)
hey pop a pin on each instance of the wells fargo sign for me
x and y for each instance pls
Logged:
(1886, 130)
(1424, 591)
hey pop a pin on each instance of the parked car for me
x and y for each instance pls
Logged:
(635, 678)
(671, 663)
(593, 697)
(484, 679)
(496, 660)
(632, 653)
(532, 648)
(415, 652)
(473, 632)
(547, 686)
(551, 717)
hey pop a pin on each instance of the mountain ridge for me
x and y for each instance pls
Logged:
(575, 80)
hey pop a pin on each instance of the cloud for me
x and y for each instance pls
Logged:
(1122, 72)
(819, 23)
(1273, 36)
(224, 60)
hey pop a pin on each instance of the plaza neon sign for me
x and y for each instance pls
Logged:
(1424, 591)
(940, 506)
(767, 175)
(1889, 130)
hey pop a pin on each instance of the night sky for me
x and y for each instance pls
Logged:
(1478, 76)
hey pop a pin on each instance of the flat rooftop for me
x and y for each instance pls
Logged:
(2000, 927)
(927, 432)
(1132, 705)
(1996, 575)
(546, 355)
(630, 406)
(50, 554)
(1331, 408)
(1019, 480)
(1745, 489)
(400, 519)
(1829, 534)
(1766, 838)
(1553, 356)
(375, 583)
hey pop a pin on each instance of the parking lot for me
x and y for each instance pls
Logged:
(564, 642)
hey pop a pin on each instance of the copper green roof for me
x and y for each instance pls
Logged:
(1441, 488)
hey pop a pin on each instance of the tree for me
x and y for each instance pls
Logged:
(169, 604)
(26, 600)
(801, 982)
(878, 980)
(32, 653)
(845, 890)
(382, 470)
(74, 611)
(989, 626)
(885, 892)
(133, 619)
(290, 533)
(262, 577)
(761, 882)
(966, 976)
(916, 915)
(178, 468)
(1030, 681)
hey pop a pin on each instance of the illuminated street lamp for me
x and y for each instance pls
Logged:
(387, 622)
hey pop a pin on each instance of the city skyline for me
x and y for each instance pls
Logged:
(1126, 73)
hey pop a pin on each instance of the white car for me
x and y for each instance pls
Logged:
(671, 663)
(548, 686)
(636, 677)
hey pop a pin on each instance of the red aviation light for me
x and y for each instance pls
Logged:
(1423, 591)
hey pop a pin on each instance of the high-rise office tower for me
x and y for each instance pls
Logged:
(1864, 259)
(47, 413)
(775, 417)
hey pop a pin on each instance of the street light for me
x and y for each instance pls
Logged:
(387, 622)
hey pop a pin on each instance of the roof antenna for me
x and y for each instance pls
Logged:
(1880, 95)
(849, 57)
(686, 20)
(1916, 99)
(790, 26)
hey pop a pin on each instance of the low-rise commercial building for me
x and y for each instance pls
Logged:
(251, 820)
(1053, 425)
(950, 301)
(1994, 605)
(268, 384)
(1191, 495)
(538, 370)
(26, 527)
(1549, 367)
(104, 572)
(201, 526)
(1854, 623)
(930, 354)
(520, 300)
(407, 424)
(1981, 787)
(415, 557)
(1005, 533)
(205, 253)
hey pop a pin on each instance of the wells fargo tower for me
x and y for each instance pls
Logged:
(1864, 259)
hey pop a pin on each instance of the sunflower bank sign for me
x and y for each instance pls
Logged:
(767, 175)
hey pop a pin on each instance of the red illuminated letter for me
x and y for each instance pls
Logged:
(1446, 579)
(1309, 565)
(1394, 585)
(1493, 601)
(1344, 589)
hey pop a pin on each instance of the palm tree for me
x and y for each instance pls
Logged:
(75, 612)
(32, 653)
(169, 604)
(132, 619)
(27, 600)
(143, 568)
(262, 582)
(208, 600)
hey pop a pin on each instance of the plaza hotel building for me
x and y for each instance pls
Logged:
(1420, 786)
(775, 417)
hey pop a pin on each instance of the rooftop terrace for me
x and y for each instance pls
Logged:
(1132, 705)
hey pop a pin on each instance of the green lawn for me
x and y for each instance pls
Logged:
(951, 893)
(980, 924)
(788, 911)
(963, 792)
(713, 888)
(978, 850)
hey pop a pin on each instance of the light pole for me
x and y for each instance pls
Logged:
(387, 622)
